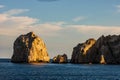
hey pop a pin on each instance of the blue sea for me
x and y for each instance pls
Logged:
(50, 71)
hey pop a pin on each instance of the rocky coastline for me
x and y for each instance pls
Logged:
(105, 50)
(29, 48)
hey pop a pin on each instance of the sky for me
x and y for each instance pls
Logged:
(62, 24)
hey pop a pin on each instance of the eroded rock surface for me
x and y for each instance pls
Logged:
(80, 51)
(108, 47)
(60, 59)
(106, 50)
(29, 48)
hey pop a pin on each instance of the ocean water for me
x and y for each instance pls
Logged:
(50, 71)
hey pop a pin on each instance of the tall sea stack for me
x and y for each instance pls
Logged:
(29, 48)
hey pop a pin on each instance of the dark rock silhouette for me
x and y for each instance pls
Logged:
(60, 59)
(29, 48)
(106, 50)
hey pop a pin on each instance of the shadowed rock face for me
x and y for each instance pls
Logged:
(60, 59)
(109, 47)
(80, 51)
(106, 50)
(29, 48)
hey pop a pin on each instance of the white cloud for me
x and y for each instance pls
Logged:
(16, 11)
(95, 30)
(3, 17)
(2, 6)
(59, 23)
(79, 18)
(13, 25)
(46, 29)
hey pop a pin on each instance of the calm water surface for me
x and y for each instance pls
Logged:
(11, 71)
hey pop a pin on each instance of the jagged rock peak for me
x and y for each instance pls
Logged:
(29, 48)
(32, 34)
(106, 50)
(79, 52)
(108, 47)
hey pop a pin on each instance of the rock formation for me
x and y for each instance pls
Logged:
(29, 48)
(80, 51)
(106, 50)
(60, 59)
(109, 47)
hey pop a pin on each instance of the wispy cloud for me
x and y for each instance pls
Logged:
(118, 8)
(96, 29)
(79, 18)
(12, 25)
(16, 11)
(2, 6)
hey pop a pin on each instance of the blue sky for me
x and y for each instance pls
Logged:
(62, 24)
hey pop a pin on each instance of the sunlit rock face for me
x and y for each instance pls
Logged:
(102, 61)
(106, 50)
(29, 48)
(80, 51)
(108, 47)
(60, 59)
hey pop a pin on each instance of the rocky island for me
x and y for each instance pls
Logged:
(60, 59)
(29, 48)
(106, 50)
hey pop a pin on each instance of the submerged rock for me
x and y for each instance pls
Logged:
(106, 50)
(29, 48)
(60, 59)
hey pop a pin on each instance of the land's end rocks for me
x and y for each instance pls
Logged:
(60, 59)
(80, 51)
(29, 48)
(106, 50)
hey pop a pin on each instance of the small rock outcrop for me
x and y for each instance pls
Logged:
(80, 51)
(60, 59)
(29, 48)
(106, 50)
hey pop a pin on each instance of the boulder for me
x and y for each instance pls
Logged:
(80, 51)
(60, 59)
(29, 48)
